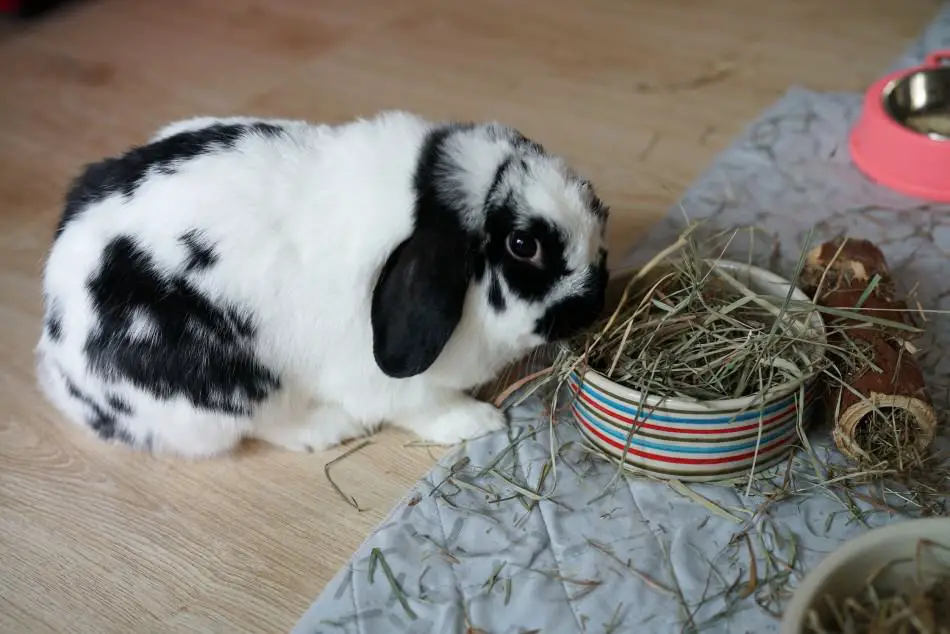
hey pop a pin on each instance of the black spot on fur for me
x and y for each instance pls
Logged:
(478, 266)
(118, 404)
(575, 313)
(102, 421)
(201, 253)
(198, 349)
(267, 129)
(496, 298)
(597, 206)
(496, 181)
(525, 144)
(418, 299)
(526, 280)
(54, 320)
(123, 175)
(438, 206)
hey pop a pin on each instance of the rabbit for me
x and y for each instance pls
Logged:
(303, 284)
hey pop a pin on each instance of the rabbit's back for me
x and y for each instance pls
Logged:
(192, 278)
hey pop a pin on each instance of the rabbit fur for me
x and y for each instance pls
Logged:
(301, 284)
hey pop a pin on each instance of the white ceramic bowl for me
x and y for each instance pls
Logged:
(698, 440)
(845, 571)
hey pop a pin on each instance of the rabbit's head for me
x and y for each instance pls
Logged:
(507, 253)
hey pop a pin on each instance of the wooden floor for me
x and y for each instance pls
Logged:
(641, 94)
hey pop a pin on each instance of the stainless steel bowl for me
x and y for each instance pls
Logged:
(920, 102)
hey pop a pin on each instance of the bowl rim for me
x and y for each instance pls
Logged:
(891, 86)
(847, 554)
(728, 405)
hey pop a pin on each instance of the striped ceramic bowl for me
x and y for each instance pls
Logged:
(697, 440)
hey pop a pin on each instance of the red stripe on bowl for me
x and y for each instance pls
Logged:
(685, 461)
(615, 417)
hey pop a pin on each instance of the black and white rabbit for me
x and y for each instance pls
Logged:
(302, 284)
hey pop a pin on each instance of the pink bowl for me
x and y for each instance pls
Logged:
(892, 153)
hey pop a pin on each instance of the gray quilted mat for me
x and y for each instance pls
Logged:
(462, 553)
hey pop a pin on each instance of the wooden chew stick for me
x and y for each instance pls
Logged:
(844, 275)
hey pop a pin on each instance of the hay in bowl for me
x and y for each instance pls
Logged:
(890, 579)
(704, 371)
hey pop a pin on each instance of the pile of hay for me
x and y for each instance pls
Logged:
(693, 328)
(916, 604)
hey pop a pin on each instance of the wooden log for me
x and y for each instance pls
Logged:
(853, 274)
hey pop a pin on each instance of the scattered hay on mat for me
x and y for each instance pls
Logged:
(682, 328)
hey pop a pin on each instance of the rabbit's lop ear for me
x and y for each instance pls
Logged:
(418, 300)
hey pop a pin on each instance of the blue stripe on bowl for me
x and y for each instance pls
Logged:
(666, 468)
(643, 412)
(784, 430)
(692, 473)
(666, 430)
(693, 435)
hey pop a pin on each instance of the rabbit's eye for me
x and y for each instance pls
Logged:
(523, 246)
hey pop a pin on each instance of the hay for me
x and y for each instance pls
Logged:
(883, 411)
(687, 327)
(917, 603)
(890, 435)
(684, 327)
(692, 330)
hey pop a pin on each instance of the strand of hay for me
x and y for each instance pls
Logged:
(883, 413)
(916, 602)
